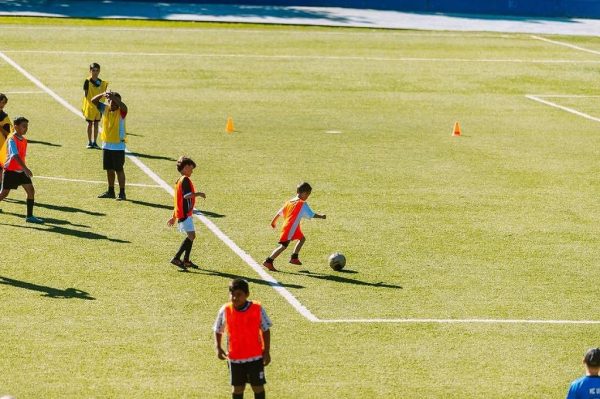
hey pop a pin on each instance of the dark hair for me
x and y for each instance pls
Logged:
(114, 93)
(303, 187)
(239, 284)
(183, 161)
(3, 97)
(592, 357)
(20, 119)
(94, 65)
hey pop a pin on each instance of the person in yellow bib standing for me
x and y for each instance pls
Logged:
(6, 127)
(92, 86)
(16, 172)
(113, 138)
(248, 340)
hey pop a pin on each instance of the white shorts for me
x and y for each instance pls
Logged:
(187, 226)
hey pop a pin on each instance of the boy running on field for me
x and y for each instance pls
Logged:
(248, 340)
(292, 212)
(185, 200)
(16, 172)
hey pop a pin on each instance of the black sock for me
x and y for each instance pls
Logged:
(237, 396)
(111, 189)
(260, 395)
(121, 190)
(188, 249)
(294, 256)
(269, 260)
(29, 207)
(181, 248)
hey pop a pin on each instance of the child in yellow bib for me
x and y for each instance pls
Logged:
(92, 86)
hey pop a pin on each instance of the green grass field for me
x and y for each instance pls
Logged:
(501, 223)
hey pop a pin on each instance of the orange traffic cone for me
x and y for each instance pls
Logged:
(456, 131)
(229, 127)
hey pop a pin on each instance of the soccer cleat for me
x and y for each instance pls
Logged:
(33, 219)
(107, 194)
(178, 263)
(295, 261)
(89, 146)
(121, 197)
(95, 145)
(269, 265)
(189, 263)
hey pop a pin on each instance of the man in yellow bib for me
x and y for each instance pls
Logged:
(113, 138)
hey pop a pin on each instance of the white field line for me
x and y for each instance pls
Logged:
(567, 109)
(210, 225)
(564, 96)
(93, 181)
(304, 57)
(25, 92)
(566, 45)
(458, 321)
(254, 265)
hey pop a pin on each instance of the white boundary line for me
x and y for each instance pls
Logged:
(566, 44)
(567, 109)
(304, 57)
(93, 181)
(25, 92)
(292, 300)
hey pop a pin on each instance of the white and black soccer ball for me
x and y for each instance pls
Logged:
(337, 261)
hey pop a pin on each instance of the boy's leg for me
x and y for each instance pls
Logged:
(238, 392)
(259, 391)
(30, 191)
(294, 259)
(256, 375)
(121, 179)
(191, 236)
(95, 134)
(268, 263)
(89, 133)
(4, 193)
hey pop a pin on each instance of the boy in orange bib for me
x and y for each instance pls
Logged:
(248, 340)
(292, 212)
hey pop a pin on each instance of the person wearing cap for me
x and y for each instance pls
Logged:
(588, 386)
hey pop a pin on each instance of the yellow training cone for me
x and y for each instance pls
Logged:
(229, 127)
(456, 130)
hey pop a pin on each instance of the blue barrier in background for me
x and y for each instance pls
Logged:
(538, 8)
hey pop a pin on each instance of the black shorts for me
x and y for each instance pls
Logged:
(13, 180)
(252, 372)
(113, 160)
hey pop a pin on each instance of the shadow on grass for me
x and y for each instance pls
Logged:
(148, 156)
(150, 204)
(44, 143)
(48, 291)
(341, 279)
(49, 220)
(230, 276)
(68, 232)
(58, 207)
(209, 214)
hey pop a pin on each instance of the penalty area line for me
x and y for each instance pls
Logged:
(567, 109)
(458, 321)
(280, 289)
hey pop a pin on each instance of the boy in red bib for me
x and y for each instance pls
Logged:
(248, 340)
(292, 212)
(185, 199)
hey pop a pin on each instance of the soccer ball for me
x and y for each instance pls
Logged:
(337, 261)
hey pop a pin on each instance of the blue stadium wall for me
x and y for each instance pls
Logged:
(534, 8)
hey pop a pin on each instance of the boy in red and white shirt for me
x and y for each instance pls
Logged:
(292, 212)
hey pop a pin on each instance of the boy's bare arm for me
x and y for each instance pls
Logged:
(218, 348)
(25, 168)
(118, 101)
(274, 221)
(318, 216)
(267, 348)
(96, 99)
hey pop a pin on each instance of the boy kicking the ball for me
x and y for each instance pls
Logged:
(248, 340)
(185, 199)
(292, 212)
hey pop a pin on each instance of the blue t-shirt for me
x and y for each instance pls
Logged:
(587, 387)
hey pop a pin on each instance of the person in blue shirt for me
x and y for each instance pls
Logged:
(588, 386)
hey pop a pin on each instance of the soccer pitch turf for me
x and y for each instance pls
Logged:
(441, 233)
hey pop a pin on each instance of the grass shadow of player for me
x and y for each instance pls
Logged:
(49, 221)
(58, 207)
(150, 204)
(68, 232)
(340, 279)
(148, 156)
(208, 214)
(230, 276)
(50, 292)
(44, 143)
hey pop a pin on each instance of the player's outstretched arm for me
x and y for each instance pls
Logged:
(96, 99)
(318, 216)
